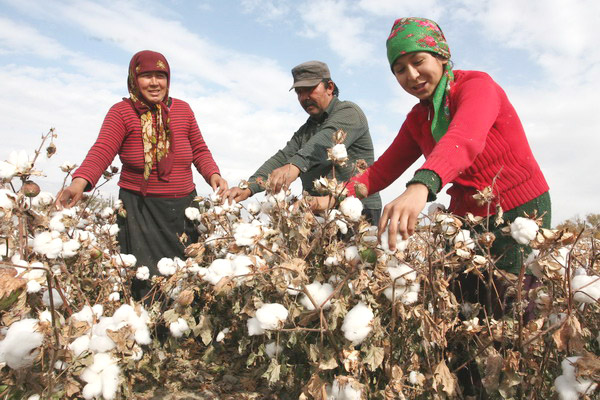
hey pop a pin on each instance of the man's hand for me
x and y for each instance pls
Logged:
(70, 195)
(402, 213)
(282, 177)
(218, 184)
(321, 203)
(236, 194)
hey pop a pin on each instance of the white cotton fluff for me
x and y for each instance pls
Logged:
(464, 236)
(45, 316)
(34, 397)
(18, 349)
(254, 327)
(271, 316)
(80, 345)
(356, 325)
(69, 248)
(33, 287)
(434, 208)
(167, 266)
(273, 349)
(339, 152)
(221, 335)
(114, 296)
(319, 292)
(142, 273)
(400, 244)
(253, 207)
(179, 327)
(111, 229)
(586, 288)
(192, 213)
(344, 392)
(102, 377)
(351, 253)
(56, 299)
(245, 234)
(124, 260)
(7, 170)
(20, 160)
(106, 212)
(67, 166)
(523, 230)
(568, 386)
(352, 208)
(42, 200)
(218, 269)
(46, 244)
(6, 200)
(331, 261)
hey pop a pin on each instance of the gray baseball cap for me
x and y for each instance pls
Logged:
(309, 74)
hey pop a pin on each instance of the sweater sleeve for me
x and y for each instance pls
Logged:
(401, 154)
(202, 157)
(314, 151)
(477, 104)
(277, 160)
(104, 150)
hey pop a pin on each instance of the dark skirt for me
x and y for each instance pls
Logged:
(152, 227)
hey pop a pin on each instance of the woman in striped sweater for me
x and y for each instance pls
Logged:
(157, 140)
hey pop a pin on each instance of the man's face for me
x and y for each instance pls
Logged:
(315, 99)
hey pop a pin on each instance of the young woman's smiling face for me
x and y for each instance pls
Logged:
(419, 73)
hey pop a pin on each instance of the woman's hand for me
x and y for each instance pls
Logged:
(218, 184)
(70, 195)
(321, 203)
(402, 213)
(236, 194)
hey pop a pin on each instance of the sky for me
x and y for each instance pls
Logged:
(63, 64)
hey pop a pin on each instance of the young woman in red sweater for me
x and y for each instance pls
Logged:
(467, 130)
(157, 139)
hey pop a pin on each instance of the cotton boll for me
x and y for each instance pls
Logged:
(34, 397)
(18, 349)
(192, 213)
(402, 273)
(57, 300)
(221, 335)
(33, 287)
(253, 207)
(586, 288)
(345, 391)
(464, 236)
(101, 344)
(123, 313)
(166, 266)
(272, 349)
(339, 153)
(45, 244)
(98, 309)
(20, 160)
(319, 292)
(400, 244)
(351, 253)
(42, 200)
(80, 345)
(7, 170)
(523, 230)
(254, 327)
(271, 315)
(110, 381)
(219, 269)
(114, 296)
(70, 248)
(570, 387)
(86, 314)
(245, 234)
(352, 208)
(179, 327)
(94, 387)
(142, 273)
(331, 261)
(356, 325)
(45, 316)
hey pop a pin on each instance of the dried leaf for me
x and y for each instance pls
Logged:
(442, 376)
(374, 357)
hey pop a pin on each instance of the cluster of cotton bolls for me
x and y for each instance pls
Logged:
(18, 349)
(568, 385)
(319, 293)
(232, 266)
(523, 230)
(102, 376)
(357, 323)
(401, 245)
(246, 234)
(270, 316)
(405, 286)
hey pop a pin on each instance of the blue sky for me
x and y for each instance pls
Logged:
(64, 63)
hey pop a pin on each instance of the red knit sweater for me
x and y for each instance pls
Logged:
(485, 140)
(121, 133)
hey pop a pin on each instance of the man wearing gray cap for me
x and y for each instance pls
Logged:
(305, 155)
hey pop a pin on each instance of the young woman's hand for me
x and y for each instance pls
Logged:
(218, 184)
(402, 213)
(70, 195)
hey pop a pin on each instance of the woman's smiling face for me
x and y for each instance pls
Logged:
(419, 73)
(153, 86)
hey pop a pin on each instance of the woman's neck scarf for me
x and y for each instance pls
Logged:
(154, 118)
(412, 34)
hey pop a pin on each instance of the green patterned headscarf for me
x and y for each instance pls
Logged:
(412, 34)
